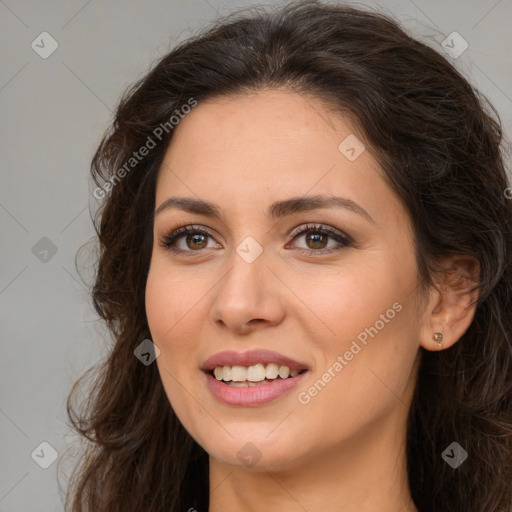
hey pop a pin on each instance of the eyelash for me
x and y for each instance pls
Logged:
(169, 240)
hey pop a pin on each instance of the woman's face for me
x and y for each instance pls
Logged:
(331, 289)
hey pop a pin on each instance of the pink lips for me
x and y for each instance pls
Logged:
(251, 395)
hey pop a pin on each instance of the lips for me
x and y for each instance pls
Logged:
(250, 358)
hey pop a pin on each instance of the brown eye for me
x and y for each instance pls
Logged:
(317, 238)
(186, 240)
(197, 241)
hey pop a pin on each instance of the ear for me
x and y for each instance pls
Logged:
(451, 305)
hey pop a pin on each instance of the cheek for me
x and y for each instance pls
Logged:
(372, 378)
(170, 299)
(160, 306)
(368, 316)
(171, 307)
(340, 304)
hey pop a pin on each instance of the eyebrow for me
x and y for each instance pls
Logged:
(276, 210)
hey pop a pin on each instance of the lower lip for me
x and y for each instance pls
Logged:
(251, 395)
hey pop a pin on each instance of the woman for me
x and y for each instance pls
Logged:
(305, 262)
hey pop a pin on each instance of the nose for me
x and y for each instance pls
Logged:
(248, 297)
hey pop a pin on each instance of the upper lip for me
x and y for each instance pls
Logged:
(250, 358)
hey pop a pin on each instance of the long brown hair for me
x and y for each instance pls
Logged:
(440, 144)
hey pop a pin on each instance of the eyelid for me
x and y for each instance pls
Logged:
(177, 233)
(343, 240)
(304, 228)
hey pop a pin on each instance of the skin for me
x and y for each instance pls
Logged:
(346, 447)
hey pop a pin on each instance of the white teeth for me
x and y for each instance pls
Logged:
(247, 384)
(254, 374)
(226, 373)
(238, 373)
(284, 371)
(272, 371)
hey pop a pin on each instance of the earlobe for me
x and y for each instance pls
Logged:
(452, 304)
(438, 338)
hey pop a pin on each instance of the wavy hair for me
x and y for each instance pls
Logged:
(441, 146)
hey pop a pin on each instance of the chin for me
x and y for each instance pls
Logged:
(255, 452)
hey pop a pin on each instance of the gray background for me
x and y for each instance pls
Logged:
(54, 112)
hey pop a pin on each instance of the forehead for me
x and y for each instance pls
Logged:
(266, 146)
(279, 117)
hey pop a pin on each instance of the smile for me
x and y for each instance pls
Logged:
(253, 375)
(252, 378)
